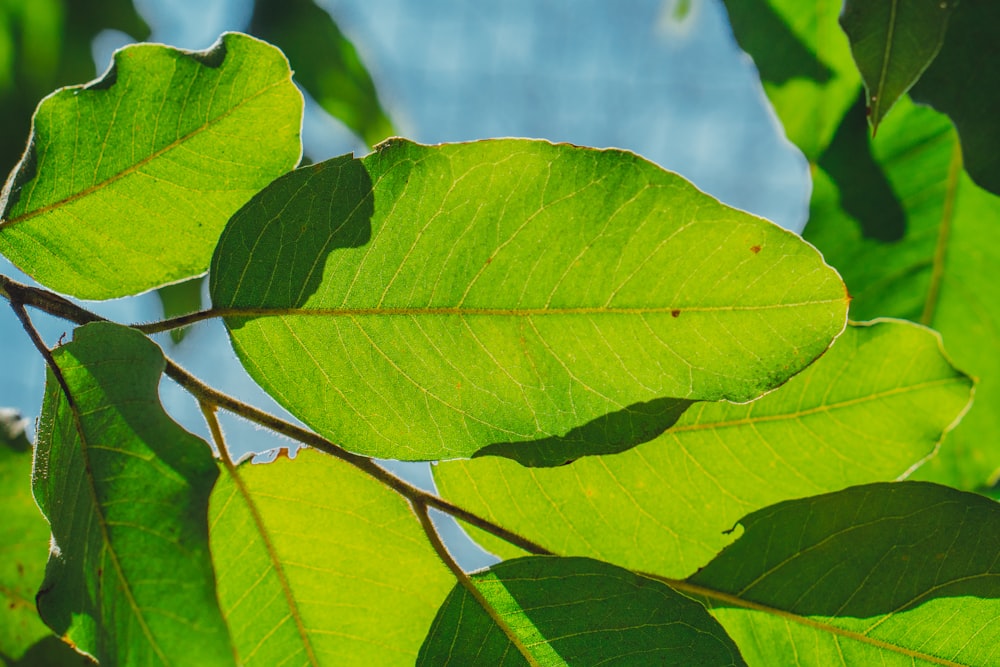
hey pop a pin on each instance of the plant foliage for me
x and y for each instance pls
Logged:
(648, 404)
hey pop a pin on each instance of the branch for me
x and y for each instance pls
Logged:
(18, 294)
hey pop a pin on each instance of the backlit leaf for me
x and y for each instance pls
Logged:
(573, 611)
(125, 489)
(941, 273)
(319, 564)
(871, 408)
(893, 42)
(888, 574)
(428, 301)
(128, 181)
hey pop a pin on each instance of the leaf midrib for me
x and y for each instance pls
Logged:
(133, 169)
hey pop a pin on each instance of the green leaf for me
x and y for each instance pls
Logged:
(180, 299)
(884, 574)
(319, 564)
(868, 410)
(893, 42)
(804, 60)
(963, 83)
(428, 301)
(125, 489)
(940, 273)
(325, 62)
(572, 611)
(167, 145)
(24, 539)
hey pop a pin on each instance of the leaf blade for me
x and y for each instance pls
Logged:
(177, 140)
(126, 492)
(451, 297)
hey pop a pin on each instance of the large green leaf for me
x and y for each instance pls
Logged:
(573, 611)
(428, 301)
(319, 564)
(893, 42)
(125, 489)
(941, 273)
(964, 83)
(887, 574)
(868, 410)
(804, 60)
(128, 181)
(325, 62)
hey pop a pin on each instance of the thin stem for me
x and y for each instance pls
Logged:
(420, 508)
(18, 294)
(179, 321)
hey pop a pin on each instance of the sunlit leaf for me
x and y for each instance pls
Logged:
(963, 83)
(129, 180)
(868, 410)
(428, 301)
(319, 564)
(941, 273)
(893, 42)
(325, 63)
(129, 578)
(888, 574)
(804, 60)
(573, 611)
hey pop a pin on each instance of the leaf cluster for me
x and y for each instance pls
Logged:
(652, 407)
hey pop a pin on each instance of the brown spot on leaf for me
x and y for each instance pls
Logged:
(755, 249)
(675, 313)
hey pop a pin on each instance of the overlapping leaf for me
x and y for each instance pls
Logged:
(128, 181)
(893, 42)
(319, 564)
(572, 611)
(889, 574)
(942, 272)
(963, 83)
(804, 61)
(129, 578)
(428, 301)
(325, 62)
(871, 408)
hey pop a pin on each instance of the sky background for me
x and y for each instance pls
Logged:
(629, 74)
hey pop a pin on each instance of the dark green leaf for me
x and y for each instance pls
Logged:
(941, 273)
(428, 301)
(576, 612)
(884, 574)
(964, 82)
(167, 145)
(325, 63)
(893, 42)
(129, 578)
(320, 564)
(180, 299)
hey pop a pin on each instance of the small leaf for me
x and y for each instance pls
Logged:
(868, 410)
(573, 611)
(941, 273)
(325, 62)
(964, 83)
(319, 564)
(180, 299)
(125, 489)
(428, 301)
(893, 42)
(901, 573)
(128, 181)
